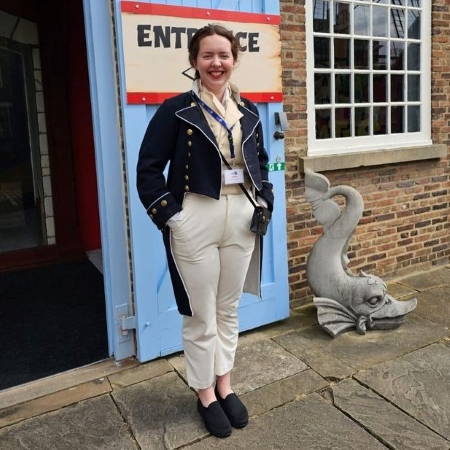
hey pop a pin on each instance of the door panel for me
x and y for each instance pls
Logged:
(158, 321)
(38, 217)
(22, 214)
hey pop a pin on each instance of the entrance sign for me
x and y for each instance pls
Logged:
(155, 41)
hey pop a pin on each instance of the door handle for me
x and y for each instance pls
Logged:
(278, 135)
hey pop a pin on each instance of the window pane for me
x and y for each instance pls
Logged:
(413, 24)
(361, 52)
(322, 93)
(413, 56)
(413, 88)
(362, 121)
(379, 54)
(397, 23)
(342, 53)
(380, 21)
(397, 53)
(342, 88)
(321, 52)
(343, 124)
(22, 211)
(362, 20)
(321, 19)
(323, 123)
(368, 71)
(379, 88)
(380, 120)
(341, 18)
(397, 121)
(361, 88)
(413, 118)
(397, 88)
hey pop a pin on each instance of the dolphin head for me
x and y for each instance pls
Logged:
(375, 308)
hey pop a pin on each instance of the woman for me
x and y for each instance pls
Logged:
(205, 217)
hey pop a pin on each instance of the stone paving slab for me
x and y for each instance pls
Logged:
(284, 391)
(311, 423)
(383, 420)
(91, 424)
(65, 380)
(144, 372)
(434, 305)
(52, 402)
(299, 318)
(161, 412)
(400, 291)
(364, 351)
(418, 383)
(426, 280)
(259, 361)
(324, 363)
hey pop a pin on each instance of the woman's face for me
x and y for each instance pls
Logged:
(215, 63)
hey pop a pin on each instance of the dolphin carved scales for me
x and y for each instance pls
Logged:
(345, 300)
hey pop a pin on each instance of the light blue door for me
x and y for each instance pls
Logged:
(158, 323)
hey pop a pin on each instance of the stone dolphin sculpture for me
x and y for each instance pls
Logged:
(345, 300)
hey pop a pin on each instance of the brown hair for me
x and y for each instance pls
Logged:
(210, 30)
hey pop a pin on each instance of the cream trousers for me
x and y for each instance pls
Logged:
(212, 246)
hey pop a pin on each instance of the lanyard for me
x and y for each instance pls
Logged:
(220, 120)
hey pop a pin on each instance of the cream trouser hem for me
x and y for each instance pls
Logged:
(212, 246)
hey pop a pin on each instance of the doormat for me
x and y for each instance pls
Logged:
(52, 319)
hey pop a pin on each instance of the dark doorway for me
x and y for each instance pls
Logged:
(50, 321)
(49, 217)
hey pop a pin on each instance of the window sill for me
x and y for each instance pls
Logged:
(324, 163)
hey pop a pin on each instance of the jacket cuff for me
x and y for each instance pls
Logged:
(267, 194)
(162, 209)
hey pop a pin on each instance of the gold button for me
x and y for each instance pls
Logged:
(151, 216)
(189, 154)
(189, 132)
(186, 188)
(193, 104)
(164, 203)
(186, 167)
(154, 211)
(186, 177)
(257, 135)
(242, 104)
(189, 143)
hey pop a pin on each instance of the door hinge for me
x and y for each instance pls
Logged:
(124, 323)
(128, 323)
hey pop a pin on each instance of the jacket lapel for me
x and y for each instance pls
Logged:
(249, 122)
(193, 115)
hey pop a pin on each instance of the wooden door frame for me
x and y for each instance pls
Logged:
(51, 17)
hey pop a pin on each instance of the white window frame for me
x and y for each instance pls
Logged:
(359, 144)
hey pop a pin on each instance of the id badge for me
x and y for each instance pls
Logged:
(233, 176)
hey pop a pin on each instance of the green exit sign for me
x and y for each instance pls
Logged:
(276, 166)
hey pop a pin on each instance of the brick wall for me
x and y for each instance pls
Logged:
(405, 224)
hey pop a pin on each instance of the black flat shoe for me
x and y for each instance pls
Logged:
(234, 409)
(216, 422)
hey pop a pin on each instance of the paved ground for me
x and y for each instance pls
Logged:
(304, 390)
